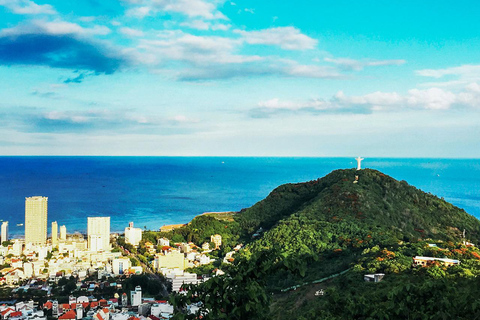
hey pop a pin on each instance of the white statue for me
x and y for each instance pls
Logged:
(359, 163)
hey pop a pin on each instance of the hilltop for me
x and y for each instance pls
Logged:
(375, 200)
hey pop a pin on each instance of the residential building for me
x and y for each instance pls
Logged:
(133, 235)
(375, 277)
(98, 231)
(136, 297)
(4, 233)
(63, 233)
(170, 260)
(54, 233)
(217, 240)
(121, 265)
(36, 210)
(186, 278)
(163, 242)
(424, 261)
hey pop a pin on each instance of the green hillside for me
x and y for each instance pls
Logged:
(326, 234)
(376, 201)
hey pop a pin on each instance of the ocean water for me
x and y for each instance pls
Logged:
(154, 191)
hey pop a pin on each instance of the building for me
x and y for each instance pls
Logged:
(121, 265)
(36, 209)
(54, 233)
(425, 261)
(375, 277)
(133, 235)
(98, 231)
(63, 233)
(171, 260)
(163, 242)
(186, 278)
(4, 234)
(217, 240)
(136, 297)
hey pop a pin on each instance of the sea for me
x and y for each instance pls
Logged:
(156, 191)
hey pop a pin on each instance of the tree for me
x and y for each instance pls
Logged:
(239, 294)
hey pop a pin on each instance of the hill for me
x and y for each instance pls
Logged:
(374, 201)
(327, 233)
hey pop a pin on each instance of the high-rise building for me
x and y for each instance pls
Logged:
(4, 236)
(136, 297)
(133, 235)
(36, 209)
(63, 233)
(54, 233)
(98, 232)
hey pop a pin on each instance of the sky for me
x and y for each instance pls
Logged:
(240, 78)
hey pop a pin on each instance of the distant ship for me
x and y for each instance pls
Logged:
(19, 224)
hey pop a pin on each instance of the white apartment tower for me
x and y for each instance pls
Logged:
(4, 236)
(63, 233)
(136, 297)
(54, 233)
(98, 232)
(133, 235)
(36, 209)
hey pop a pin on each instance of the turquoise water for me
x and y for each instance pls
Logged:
(154, 191)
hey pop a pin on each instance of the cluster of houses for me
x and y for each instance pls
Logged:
(89, 308)
(70, 259)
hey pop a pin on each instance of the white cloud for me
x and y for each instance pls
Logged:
(192, 8)
(466, 70)
(289, 38)
(198, 50)
(433, 98)
(415, 99)
(311, 71)
(131, 32)
(205, 25)
(454, 77)
(139, 12)
(27, 7)
(358, 65)
(57, 27)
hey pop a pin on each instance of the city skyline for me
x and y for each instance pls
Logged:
(226, 78)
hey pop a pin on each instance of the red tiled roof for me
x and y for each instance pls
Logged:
(68, 315)
(16, 314)
(4, 312)
(48, 305)
(94, 304)
(85, 304)
(105, 310)
(65, 306)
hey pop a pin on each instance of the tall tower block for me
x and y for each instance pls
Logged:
(36, 210)
(98, 233)
(54, 233)
(4, 235)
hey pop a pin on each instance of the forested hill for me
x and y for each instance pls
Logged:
(375, 201)
(324, 236)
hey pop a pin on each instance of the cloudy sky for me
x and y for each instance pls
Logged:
(240, 78)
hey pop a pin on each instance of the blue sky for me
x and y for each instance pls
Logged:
(240, 78)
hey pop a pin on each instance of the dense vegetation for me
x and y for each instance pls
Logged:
(360, 221)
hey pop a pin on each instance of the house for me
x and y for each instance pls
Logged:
(376, 277)
(425, 261)
(70, 315)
